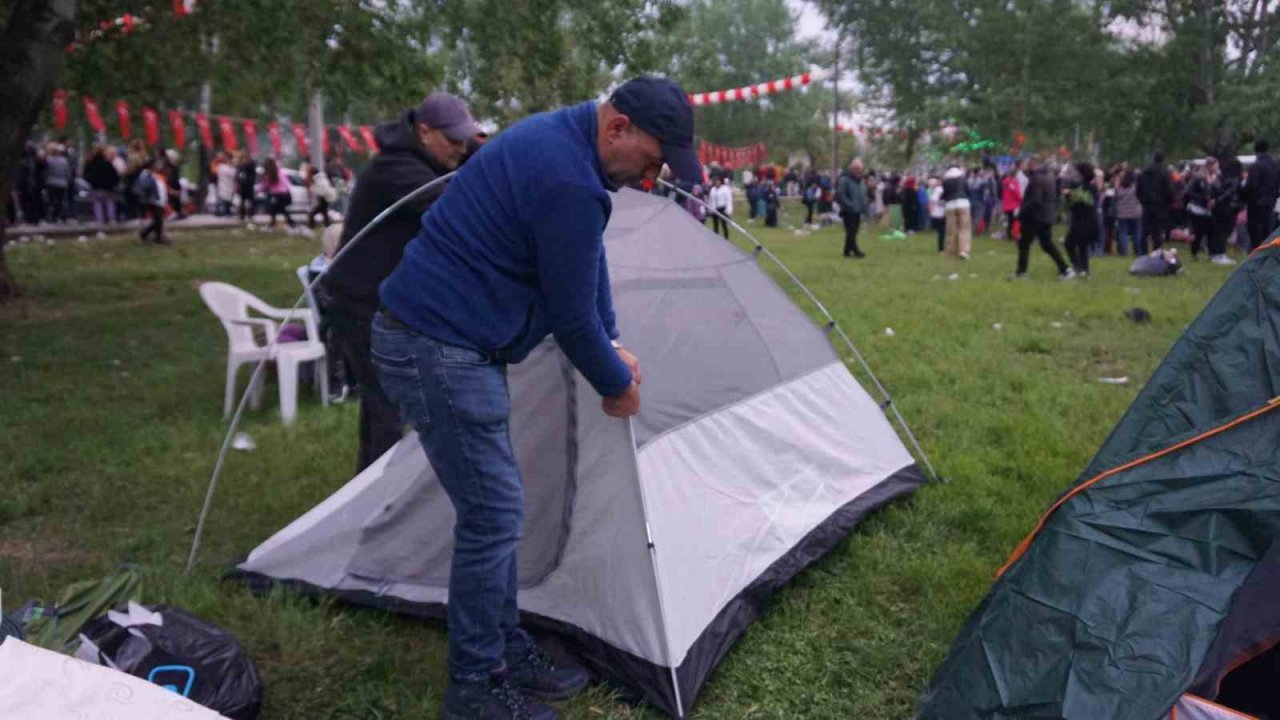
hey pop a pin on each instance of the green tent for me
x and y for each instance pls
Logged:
(1151, 589)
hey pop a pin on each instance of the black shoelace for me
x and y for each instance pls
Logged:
(540, 659)
(513, 699)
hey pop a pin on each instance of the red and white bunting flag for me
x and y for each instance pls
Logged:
(366, 133)
(228, 132)
(277, 142)
(349, 138)
(151, 125)
(93, 116)
(122, 119)
(251, 136)
(206, 132)
(178, 125)
(59, 109)
(300, 136)
(754, 91)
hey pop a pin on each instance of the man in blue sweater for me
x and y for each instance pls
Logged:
(512, 252)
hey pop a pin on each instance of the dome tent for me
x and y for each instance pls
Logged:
(651, 544)
(1148, 591)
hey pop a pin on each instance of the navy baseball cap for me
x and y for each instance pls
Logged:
(448, 114)
(661, 108)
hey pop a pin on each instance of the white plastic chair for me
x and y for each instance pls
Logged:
(232, 306)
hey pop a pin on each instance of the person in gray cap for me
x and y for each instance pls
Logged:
(514, 252)
(425, 143)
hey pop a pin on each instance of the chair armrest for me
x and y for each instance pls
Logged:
(267, 325)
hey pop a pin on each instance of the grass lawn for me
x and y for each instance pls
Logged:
(111, 418)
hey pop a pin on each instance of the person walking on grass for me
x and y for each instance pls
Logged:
(937, 212)
(851, 196)
(1260, 193)
(152, 191)
(275, 185)
(959, 218)
(246, 183)
(1156, 193)
(722, 201)
(1224, 206)
(514, 251)
(1082, 212)
(1010, 200)
(1198, 201)
(909, 201)
(224, 172)
(1037, 214)
(1128, 214)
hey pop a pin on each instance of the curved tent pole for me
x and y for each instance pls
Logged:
(258, 369)
(657, 576)
(831, 325)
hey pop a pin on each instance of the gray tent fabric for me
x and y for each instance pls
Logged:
(651, 543)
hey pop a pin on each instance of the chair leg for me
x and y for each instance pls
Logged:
(230, 393)
(322, 367)
(259, 389)
(287, 375)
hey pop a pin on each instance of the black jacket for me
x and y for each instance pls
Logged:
(1040, 201)
(246, 177)
(1264, 182)
(1225, 195)
(101, 174)
(1198, 193)
(401, 166)
(955, 188)
(1155, 187)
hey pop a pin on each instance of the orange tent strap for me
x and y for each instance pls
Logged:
(1019, 551)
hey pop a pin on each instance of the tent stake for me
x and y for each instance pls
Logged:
(832, 324)
(271, 342)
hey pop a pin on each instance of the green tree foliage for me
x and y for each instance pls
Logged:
(735, 43)
(1191, 76)
(516, 57)
(264, 57)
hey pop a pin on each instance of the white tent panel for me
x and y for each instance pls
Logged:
(39, 684)
(315, 548)
(734, 491)
(605, 582)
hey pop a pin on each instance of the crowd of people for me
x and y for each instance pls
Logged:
(1210, 204)
(130, 182)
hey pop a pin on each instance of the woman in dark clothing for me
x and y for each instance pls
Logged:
(1198, 200)
(246, 179)
(910, 204)
(103, 181)
(1224, 204)
(1082, 204)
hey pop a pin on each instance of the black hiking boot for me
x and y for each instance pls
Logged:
(535, 674)
(493, 698)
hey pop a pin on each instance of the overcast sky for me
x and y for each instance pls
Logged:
(811, 24)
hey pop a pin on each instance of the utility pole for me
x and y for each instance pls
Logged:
(835, 108)
(315, 118)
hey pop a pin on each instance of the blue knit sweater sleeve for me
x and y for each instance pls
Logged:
(567, 227)
(604, 300)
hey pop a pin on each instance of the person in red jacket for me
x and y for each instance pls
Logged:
(1010, 200)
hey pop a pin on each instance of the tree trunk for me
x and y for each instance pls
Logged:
(32, 49)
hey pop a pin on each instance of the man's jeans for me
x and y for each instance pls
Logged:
(456, 398)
